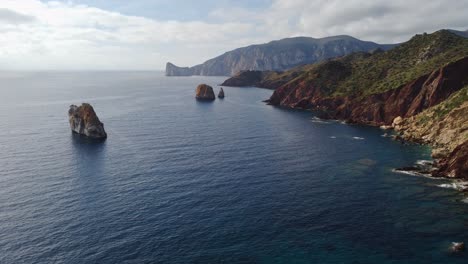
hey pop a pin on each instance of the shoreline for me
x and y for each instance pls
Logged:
(397, 136)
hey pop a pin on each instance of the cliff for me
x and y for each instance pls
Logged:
(83, 120)
(445, 127)
(172, 70)
(277, 55)
(376, 88)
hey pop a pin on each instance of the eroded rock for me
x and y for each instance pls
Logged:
(84, 121)
(205, 92)
(221, 93)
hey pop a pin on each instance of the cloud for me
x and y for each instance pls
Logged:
(377, 20)
(69, 36)
(8, 16)
(66, 35)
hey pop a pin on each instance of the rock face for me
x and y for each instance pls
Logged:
(221, 93)
(205, 92)
(83, 120)
(445, 127)
(456, 164)
(380, 108)
(172, 70)
(277, 55)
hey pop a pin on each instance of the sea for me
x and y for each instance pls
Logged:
(229, 181)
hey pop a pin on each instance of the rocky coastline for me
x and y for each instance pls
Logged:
(419, 89)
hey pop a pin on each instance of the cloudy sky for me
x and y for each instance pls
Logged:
(145, 34)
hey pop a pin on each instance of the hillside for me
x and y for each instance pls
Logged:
(277, 55)
(428, 72)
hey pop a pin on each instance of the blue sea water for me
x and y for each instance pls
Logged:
(181, 181)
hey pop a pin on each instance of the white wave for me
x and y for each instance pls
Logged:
(319, 121)
(415, 173)
(358, 138)
(424, 162)
(459, 186)
(332, 137)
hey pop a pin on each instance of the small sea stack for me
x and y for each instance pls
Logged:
(221, 93)
(457, 247)
(84, 121)
(204, 92)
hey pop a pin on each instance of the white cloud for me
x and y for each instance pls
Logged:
(377, 20)
(58, 35)
(68, 36)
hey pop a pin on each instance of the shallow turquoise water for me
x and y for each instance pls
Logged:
(179, 181)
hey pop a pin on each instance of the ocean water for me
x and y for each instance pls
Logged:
(181, 181)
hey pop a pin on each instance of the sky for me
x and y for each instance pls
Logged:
(145, 34)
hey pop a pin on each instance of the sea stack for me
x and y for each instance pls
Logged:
(205, 93)
(458, 246)
(84, 121)
(221, 93)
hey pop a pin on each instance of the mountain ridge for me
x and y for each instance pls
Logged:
(277, 55)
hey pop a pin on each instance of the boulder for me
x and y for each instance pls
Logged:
(397, 121)
(221, 93)
(84, 121)
(205, 92)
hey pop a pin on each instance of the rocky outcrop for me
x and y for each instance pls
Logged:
(84, 121)
(445, 128)
(277, 55)
(221, 93)
(381, 108)
(262, 79)
(172, 70)
(246, 78)
(456, 164)
(204, 92)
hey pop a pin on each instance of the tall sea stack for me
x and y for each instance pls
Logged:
(221, 93)
(84, 121)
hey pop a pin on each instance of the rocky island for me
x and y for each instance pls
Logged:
(204, 92)
(221, 93)
(84, 121)
(421, 84)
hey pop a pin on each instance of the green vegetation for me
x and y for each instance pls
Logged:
(440, 111)
(362, 74)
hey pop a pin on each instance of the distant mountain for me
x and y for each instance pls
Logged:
(277, 55)
(460, 33)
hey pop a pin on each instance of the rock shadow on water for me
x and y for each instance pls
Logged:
(89, 157)
(89, 151)
(79, 139)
